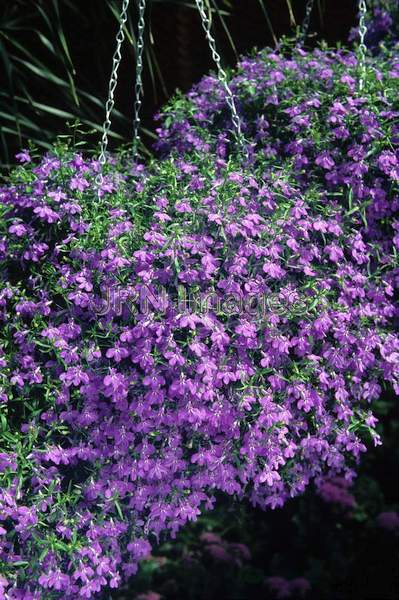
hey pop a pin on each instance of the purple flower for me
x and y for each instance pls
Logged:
(23, 157)
(19, 229)
(78, 183)
(325, 160)
(388, 163)
(74, 376)
(45, 213)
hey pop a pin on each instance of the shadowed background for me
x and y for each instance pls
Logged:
(56, 58)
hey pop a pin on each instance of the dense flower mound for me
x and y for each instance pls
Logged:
(303, 110)
(234, 344)
(124, 424)
(303, 113)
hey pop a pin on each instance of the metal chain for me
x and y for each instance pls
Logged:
(306, 22)
(222, 76)
(109, 106)
(362, 50)
(139, 71)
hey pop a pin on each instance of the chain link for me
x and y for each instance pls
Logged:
(109, 106)
(362, 50)
(139, 71)
(306, 22)
(222, 76)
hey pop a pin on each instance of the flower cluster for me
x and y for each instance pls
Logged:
(221, 550)
(120, 425)
(337, 491)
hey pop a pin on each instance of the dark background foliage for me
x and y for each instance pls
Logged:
(56, 55)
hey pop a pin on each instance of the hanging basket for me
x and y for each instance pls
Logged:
(218, 321)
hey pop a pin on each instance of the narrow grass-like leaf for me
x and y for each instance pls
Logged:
(291, 13)
(226, 29)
